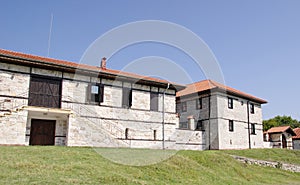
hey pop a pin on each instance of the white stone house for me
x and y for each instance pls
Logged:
(216, 116)
(45, 101)
(279, 137)
(296, 139)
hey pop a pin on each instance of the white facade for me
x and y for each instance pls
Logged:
(79, 122)
(216, 117)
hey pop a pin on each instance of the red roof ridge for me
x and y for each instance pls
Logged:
(209, 84)
(278, 129)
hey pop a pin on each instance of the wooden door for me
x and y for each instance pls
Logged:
(42, 132)
(45, 92)
(284, 143)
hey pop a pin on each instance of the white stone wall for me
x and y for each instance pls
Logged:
(239, 138)
(296, 144)
(13, 128)
(14, 84)
(89, 125)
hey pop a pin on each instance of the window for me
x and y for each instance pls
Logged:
(127, 98)
(154, 135)
(251, 108)
(183, 125)
(183, 107)
(252, 128)
(95, 93)
(126, 133)
(178, 107)
(45, 92)
(230, 103)
(199, 125)
(154, 101)
(199, 103)
(231, 125)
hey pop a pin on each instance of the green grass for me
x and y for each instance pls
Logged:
(73, 165)
(279, 155)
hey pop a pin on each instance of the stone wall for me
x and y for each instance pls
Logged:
(239, 137)
(13, 128)
(279, 165)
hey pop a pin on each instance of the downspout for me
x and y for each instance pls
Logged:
(163, 117)
(248, 117)
(209, 122)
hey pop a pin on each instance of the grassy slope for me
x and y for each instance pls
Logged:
(280, 155)
(66, 165)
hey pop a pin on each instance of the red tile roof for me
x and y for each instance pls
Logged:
(210, 84)
(297, 132)
(278, 129)
(62, 63)
(281, 129)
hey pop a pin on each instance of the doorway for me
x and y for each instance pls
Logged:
(284, 143)
(42, 132)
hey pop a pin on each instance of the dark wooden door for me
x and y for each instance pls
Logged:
(284, 143)
(42, 132)
(45, 92)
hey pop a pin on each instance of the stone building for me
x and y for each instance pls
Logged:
(46, 101)
(296, 139)
(218, 117)
(279, 137)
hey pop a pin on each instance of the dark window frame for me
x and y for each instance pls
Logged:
(183, 107)
(183, 125)
(252, 108)
(126, 97)
(154, 101)
(95, 98)
(200, 125)
(231, 125)
(199, 103)
(38, 94)
(252, 129)
(230, 103)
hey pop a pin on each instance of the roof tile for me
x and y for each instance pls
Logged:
(209, 85)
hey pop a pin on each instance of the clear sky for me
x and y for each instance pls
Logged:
(256, 42)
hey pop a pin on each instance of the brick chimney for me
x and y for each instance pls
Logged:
(103, 63)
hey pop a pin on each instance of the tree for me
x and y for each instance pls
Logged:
(280, 121)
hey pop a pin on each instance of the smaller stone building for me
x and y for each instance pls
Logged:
(215, 116)
(279, 137)
(296, 139)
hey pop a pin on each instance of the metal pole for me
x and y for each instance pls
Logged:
(163, 117)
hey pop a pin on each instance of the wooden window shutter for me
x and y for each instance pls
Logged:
(154, 101)
(101, 93)
(130, 98)
(88, 93)
(127, 98)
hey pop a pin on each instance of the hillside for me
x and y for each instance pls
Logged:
(73, 165)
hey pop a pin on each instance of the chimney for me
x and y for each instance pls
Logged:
(103, 63)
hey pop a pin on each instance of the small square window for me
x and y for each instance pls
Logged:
(95, 93)
(199, 103)
(95, 89)
(200, 125)
(231, 125)
(183, 125)
(230, 103)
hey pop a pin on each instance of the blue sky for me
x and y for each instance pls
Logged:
(256, 42)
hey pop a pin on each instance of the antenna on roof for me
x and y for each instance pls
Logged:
(50, 32)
